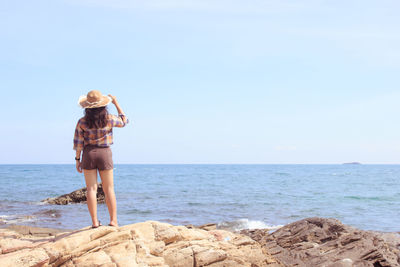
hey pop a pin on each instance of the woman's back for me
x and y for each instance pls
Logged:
(102, 137)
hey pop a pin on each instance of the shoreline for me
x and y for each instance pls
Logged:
(49, 231)
(25, 229)
(34, 231)
(232, 226)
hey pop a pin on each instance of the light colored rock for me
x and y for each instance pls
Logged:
(91, 259)
(136, 245)
(222, 235)
(156, 248)
(102, 232)
(179, 257)
(24, 257)
(189, 234)
(116, 236)
(166, 232)
(143, 230)
(8, 245)
(210, 256)
(123, 254)
(243, 241)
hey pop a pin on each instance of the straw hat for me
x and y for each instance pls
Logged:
(94, 99)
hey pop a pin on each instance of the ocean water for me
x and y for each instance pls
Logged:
(238, 196)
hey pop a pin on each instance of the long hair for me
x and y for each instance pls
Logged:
(96, 117)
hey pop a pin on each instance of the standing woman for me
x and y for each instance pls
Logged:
(93, 136)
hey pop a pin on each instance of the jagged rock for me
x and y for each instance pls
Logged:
(207, 226)
(312, 242)
(77, 196)
(329, 243)
(142, 244)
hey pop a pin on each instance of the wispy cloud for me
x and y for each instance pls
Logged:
(374, 46)
(285, 148)
(357, 30)
(205, 5)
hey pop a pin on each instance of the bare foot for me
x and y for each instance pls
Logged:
(113, 224)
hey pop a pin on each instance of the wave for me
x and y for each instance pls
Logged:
(377, 198)
(49, 213)
(16, 219)
(242, 224)
(282, 174)
(138, 211)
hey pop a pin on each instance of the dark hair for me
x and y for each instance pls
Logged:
(96, 117)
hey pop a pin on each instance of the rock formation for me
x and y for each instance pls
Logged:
(315, 242)
(78, 196)
(141, 244)
(312, 242)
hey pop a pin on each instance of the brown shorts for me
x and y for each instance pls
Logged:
(95, 157)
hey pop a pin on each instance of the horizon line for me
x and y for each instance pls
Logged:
(344, 163)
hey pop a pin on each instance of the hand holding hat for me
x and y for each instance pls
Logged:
(113, 99)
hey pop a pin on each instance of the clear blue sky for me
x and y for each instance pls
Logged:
(211, 81)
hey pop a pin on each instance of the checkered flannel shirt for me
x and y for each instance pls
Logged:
(102, 137)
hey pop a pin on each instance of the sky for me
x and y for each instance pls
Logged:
(212, 81)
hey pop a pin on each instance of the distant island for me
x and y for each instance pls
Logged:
(352, 163)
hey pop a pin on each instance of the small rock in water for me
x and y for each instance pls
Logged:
(77, 196)
(51, 213)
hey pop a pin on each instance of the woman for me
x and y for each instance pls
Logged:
(93, 136)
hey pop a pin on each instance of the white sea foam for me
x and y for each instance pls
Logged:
(39, 203)
(16, 218)
(242, 224)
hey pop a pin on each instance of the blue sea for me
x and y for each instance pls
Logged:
(239, 196)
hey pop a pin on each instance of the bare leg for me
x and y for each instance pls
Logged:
(91, 186)
(107, 179)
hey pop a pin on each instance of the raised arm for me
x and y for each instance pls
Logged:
(116, 104)
(121, 120)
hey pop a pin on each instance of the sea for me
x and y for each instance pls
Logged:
(232, 196)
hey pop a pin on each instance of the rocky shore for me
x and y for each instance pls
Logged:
(309, 242)
(142, 244)
(329, 243)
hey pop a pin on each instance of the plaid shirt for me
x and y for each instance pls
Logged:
(102, 137)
